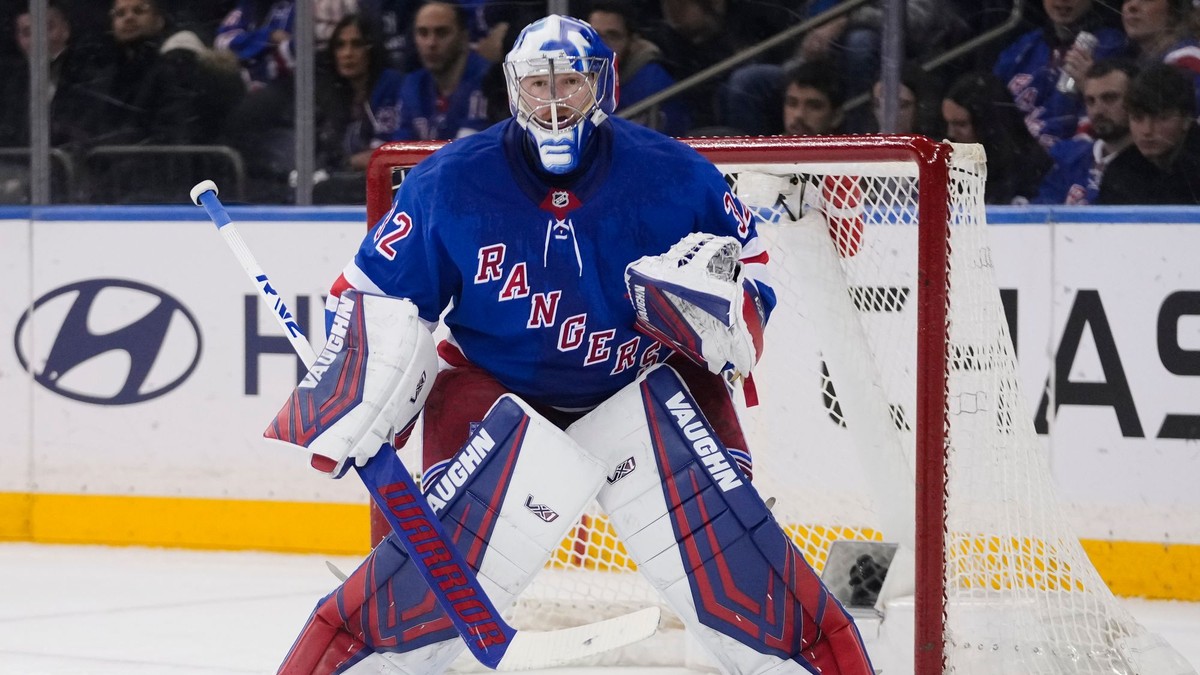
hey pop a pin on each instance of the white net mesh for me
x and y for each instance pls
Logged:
(833, 439)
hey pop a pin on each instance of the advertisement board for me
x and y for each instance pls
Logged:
(141, 369)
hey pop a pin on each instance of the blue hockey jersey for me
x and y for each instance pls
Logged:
(1030, 67)
(534, 274)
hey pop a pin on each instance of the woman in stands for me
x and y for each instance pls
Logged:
(358, 103)
(979, 109)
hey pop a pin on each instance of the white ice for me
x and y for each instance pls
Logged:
(85, 610)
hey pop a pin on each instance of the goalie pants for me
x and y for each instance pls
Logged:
(462, 395)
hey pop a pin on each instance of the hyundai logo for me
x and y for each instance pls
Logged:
(108, 342)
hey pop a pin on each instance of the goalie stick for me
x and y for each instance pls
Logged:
(491, 640)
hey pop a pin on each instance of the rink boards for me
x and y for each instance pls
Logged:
(138, 371)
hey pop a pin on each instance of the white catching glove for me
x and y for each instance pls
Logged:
(693, 298)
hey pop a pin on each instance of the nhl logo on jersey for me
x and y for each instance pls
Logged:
(560, 203)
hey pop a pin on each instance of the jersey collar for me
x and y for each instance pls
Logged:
(536, 183)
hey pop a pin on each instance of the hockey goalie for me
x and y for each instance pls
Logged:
(603, 292)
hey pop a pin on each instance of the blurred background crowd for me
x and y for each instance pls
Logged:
(1074, 101)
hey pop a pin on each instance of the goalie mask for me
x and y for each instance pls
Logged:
(562, 83)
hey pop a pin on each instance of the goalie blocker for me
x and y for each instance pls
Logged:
(360, 393)
(695, 299)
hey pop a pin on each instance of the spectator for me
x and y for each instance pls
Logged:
(1157, 28)
(979, 109)
(1031, 67)
(813, 99)
(216, 84)
(1163, 167)
(1079, 163)
(930, 27)
(488, 26)
(640, 71)
(262, 128)
(852, 44)
(443, 99)
(148, 83)
(913, 117)
(259, 33)
(154, 85)
(14, 99)
(984, 16)
(358, 109)
(91, 23)
(1159, 31)
(750, 98)
(201, 18)
(145, 90)
(58, 34)
(394, 18)
(696, 34)
(14, 89)
(917, 112)
(505, 20)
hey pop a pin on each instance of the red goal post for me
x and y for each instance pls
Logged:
(937, 399)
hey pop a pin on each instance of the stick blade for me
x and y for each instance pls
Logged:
(533, 650)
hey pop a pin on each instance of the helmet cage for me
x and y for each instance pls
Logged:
(557, 93)
(562, 84)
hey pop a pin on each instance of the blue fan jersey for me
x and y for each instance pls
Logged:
(248, 36)
(1030, 67)
(426, 116)
(534, 274)
(1075, 178)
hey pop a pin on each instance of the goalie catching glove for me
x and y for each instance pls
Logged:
(368, 383)
(695, 299)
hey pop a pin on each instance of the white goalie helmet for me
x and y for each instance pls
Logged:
(562, 83)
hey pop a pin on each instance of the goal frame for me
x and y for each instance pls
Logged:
(932, 160)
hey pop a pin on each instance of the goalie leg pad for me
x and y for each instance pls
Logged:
(368, 383)
(713, 397)
(507, 499)
(704, 538)
(352, 628)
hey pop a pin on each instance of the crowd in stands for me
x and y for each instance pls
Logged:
(146, 90)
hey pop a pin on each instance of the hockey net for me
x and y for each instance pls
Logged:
(890, 412)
